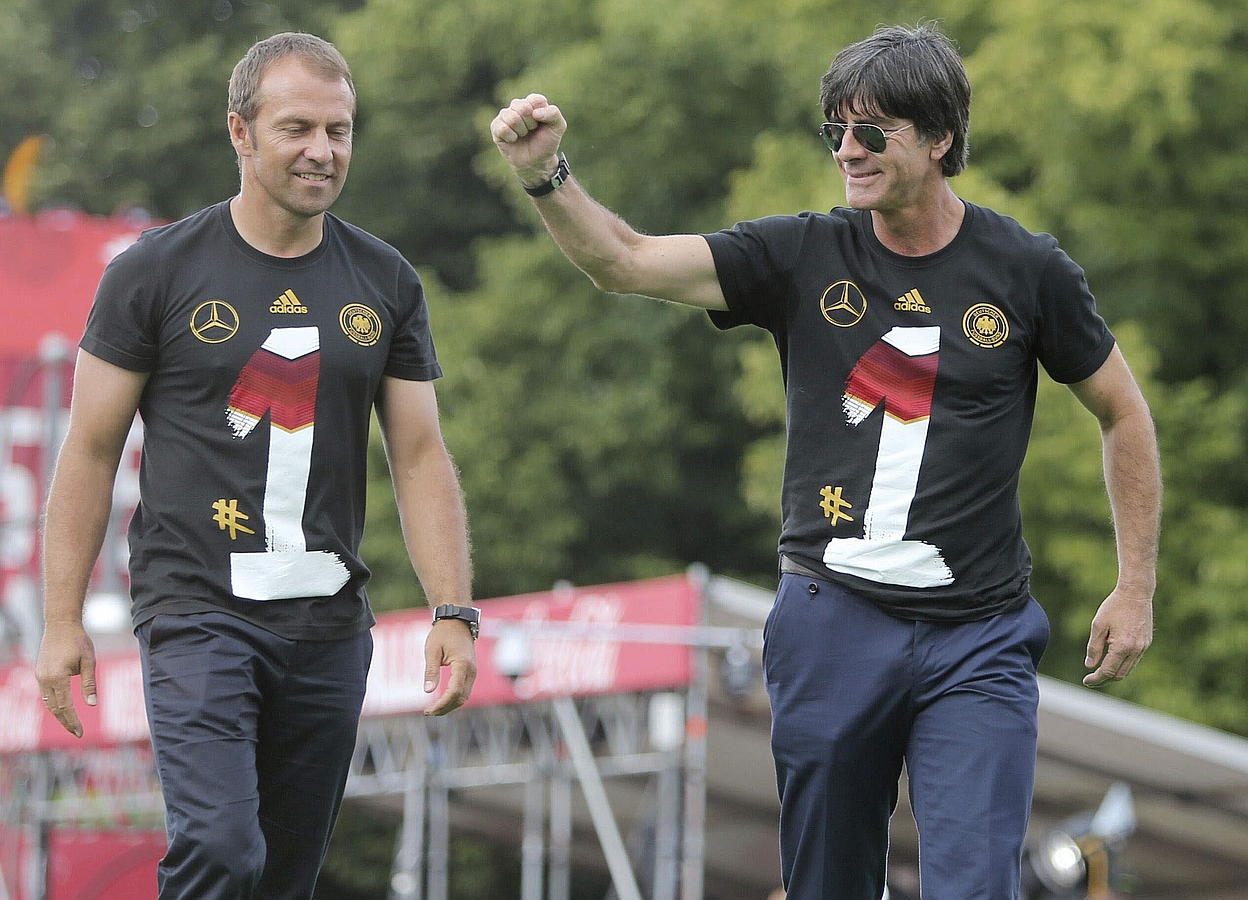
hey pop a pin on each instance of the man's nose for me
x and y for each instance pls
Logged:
(850, 147)
(318, 148)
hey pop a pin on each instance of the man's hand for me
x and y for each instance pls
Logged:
(527, 132)
(450, 644)
(66, 650)
(1121, 631)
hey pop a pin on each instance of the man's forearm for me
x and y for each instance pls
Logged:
(431, 511)
(596, 240)
(75, 521)
(1133, 481)
(675, 267)
(435, 526)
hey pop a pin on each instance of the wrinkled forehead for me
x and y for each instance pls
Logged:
(294, 83)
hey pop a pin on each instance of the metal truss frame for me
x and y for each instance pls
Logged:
(542, 746)
(115, 787)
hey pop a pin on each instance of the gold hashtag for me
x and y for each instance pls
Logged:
(833, 504)
(229, 517)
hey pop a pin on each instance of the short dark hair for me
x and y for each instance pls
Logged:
(320, 55)
(905, 73)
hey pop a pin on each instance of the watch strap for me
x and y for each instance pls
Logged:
(469, 615)
(562, 174)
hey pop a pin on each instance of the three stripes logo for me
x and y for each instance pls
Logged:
(287, 302)
(911, 301)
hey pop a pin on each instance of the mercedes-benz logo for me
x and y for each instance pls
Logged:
(843, 304)
(214, 321)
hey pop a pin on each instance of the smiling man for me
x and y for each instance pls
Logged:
(247, 586)
(909, 327)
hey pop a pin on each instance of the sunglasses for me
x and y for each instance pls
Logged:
(873, 137)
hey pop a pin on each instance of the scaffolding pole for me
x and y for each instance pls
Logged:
(693, 849)
(560, 881)
(532, 844)
(596, 798)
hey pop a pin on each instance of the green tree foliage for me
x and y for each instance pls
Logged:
(421, 70)
(360, 857)
(610, 437)
(27, 69)
(132, 93)
(598, 436)
(590, 432)
(1116, 126)
(1203, 571)
(604, 438)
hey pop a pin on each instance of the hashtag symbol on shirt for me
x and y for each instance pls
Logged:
(833, 505)
(228, 517)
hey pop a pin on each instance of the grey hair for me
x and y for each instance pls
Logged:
(320, 55)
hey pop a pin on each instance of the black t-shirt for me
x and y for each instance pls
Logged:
(910, 385)
(262, 376)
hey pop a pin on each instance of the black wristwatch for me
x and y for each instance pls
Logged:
(562, 174)
(467, 614)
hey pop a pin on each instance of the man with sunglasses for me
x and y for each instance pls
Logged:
(909, 327)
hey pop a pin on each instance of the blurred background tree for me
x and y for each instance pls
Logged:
(605, 438)
(132, 93)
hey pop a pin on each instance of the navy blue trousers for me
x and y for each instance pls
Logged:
(854, 694)
(253, 736)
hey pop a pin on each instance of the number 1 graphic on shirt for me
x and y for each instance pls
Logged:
(281, 379)
(899, 372)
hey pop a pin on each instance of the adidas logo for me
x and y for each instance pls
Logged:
(287, 302)
(911, 301)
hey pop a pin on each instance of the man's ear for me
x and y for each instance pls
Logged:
(941, 147)
(240, 134)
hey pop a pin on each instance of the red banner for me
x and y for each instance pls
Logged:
(86, 864)
(83, 863)
(50, 265)
(573, 659)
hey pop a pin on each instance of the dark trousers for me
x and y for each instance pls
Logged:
(253, 736)
(854, 694)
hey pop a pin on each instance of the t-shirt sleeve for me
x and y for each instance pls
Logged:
(412, 354)
(754, 261)
(123, 325)
(1073, 340)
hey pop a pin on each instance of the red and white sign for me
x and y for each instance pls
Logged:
(562, 664)
(50, 265)
(103, 865)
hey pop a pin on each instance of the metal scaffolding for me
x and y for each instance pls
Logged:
(105, 788)
(544, 747)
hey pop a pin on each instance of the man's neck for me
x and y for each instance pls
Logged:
(275, 231)
(920, 230)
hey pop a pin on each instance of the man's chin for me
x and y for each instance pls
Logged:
(311, 210)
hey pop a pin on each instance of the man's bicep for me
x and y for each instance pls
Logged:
(680, 268)
(1111, 392)
(408, 413)
(105, 400)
